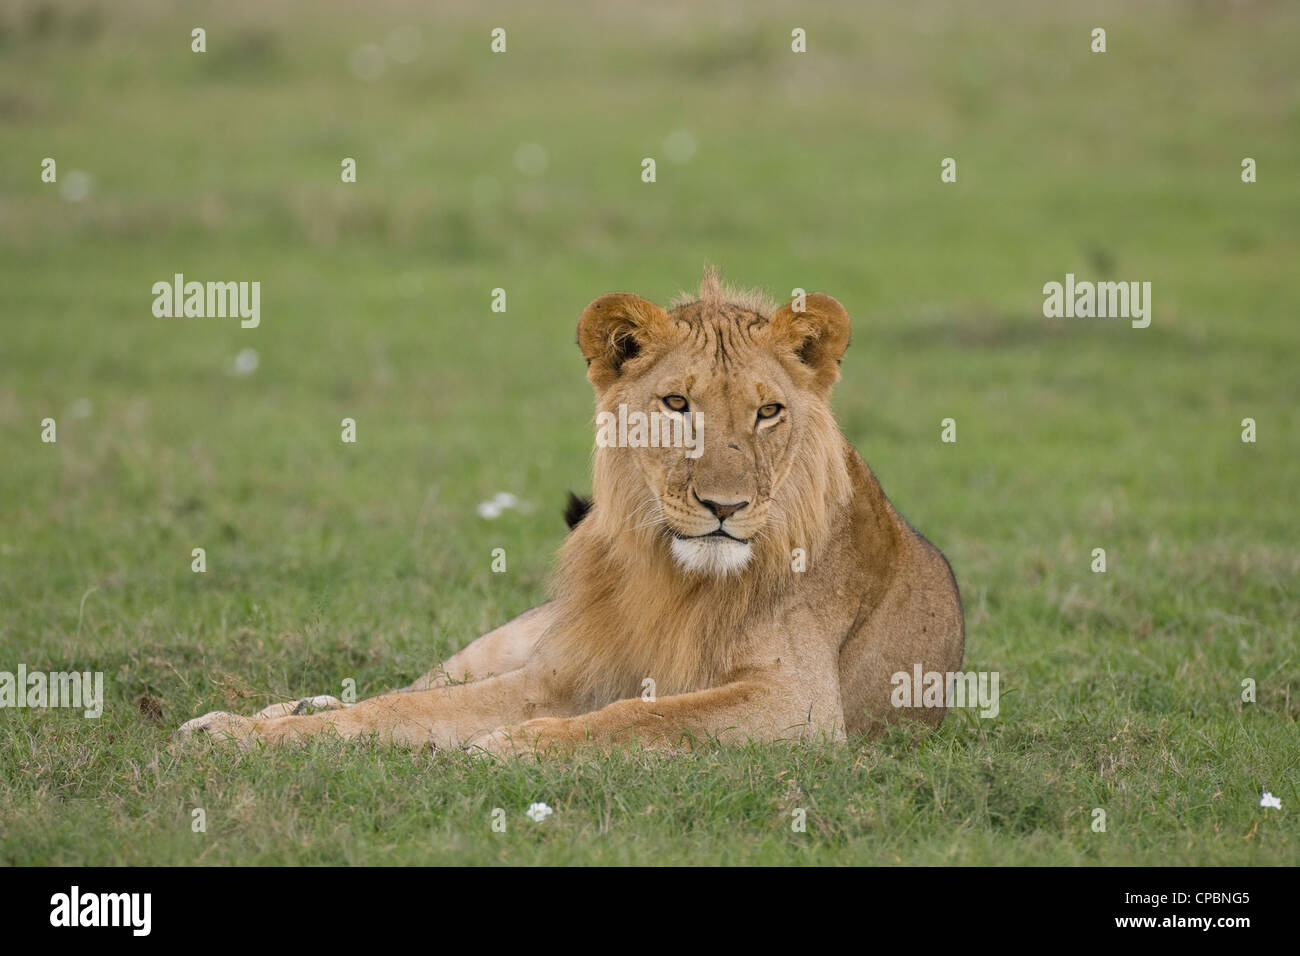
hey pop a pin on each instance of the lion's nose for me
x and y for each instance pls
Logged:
(722, 509)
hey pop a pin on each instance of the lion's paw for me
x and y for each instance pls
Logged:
(298, 708)
(498, 743)
(218, 725)
(534, 736)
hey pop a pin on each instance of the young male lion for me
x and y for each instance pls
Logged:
(758, 585)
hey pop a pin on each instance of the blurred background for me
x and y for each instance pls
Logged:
(522, 171)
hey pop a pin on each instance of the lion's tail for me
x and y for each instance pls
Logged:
(576, 509)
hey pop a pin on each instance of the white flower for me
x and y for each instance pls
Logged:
(539, 812)
(1268, 800)
(499, 503)
(530, 159)
(245, 363)
(680, 145)
(76, 185)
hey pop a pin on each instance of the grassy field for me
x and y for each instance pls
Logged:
(328, 561)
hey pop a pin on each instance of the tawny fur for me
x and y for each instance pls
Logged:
(837, 595)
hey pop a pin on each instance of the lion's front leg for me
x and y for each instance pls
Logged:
(442, 716)
(751, 709)
(499, 651)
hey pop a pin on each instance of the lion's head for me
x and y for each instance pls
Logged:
(715, 441)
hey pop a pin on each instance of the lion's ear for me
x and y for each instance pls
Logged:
(817, 335)
(615, 329)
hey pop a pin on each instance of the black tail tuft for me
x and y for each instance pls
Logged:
(576, 509)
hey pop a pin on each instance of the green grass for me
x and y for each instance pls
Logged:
(329, 561)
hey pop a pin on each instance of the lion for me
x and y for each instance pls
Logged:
(755, 586)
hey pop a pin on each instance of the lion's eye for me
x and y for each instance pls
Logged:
(676, 403)
(769, 411)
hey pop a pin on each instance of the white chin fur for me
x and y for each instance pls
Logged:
(713, 556)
